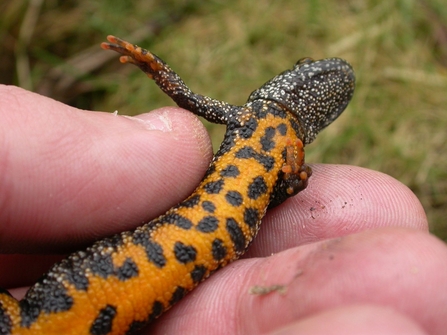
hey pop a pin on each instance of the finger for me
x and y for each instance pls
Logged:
(339, 200)
(353, 320)
(311, 279)
(69, 175)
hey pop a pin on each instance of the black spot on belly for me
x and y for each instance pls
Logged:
(251, 217)
(179, 293)
(214, 187)
(282, 129)
(236, 235)
(178, 220)
(234, 198)
(128, 270)
(208, 206)
(208, 224)
(136, 325)
(191, 202)
(257, 188)
(184, 253)
(103, 322)
(219, 250)
(198, 273)
(248, 152)
(230, 171)
(154, 251)
(157, 309)
(266, 139)
(267, 161)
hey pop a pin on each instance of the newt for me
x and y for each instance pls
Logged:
(123, 282)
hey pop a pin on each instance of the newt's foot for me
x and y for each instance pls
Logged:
(296, 172)
(144, 59)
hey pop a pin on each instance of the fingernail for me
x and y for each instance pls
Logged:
(154, 121)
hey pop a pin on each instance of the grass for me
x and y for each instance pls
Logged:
(396, 122)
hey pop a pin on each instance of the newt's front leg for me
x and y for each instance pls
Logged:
(296, 172)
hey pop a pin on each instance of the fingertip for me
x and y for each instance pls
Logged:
(340, 200)
(361, 195)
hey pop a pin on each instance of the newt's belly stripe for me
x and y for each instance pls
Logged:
(124, 282)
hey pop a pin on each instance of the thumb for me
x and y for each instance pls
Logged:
(68, 175)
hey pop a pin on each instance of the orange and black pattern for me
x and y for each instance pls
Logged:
(124, 282)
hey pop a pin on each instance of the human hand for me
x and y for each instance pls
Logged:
(352, 252)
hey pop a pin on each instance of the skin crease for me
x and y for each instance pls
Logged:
(352, 252)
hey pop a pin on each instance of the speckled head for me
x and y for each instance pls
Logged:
(317, 92)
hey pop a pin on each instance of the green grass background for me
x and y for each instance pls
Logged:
(396, 122)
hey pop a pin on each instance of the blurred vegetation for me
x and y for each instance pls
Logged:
(396, 123)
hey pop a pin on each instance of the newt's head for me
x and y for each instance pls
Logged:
(316, 92)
